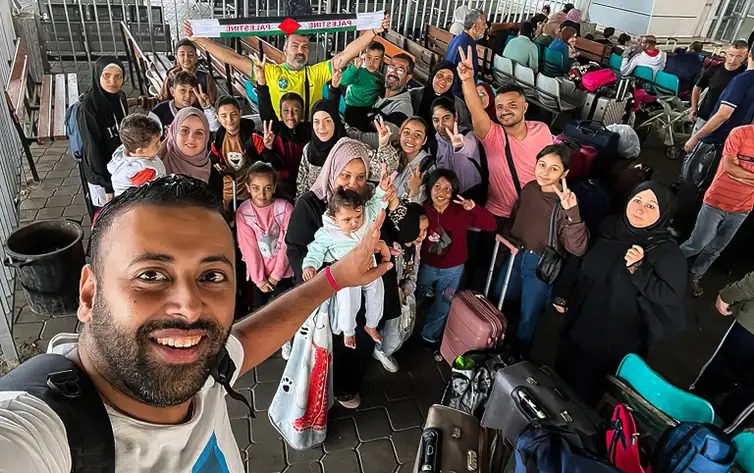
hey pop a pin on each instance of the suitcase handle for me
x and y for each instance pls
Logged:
(499, 239)
(528, 405)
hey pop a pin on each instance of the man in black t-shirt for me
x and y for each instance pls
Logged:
(715, 79)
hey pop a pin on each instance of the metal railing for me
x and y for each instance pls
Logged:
(11, 151)
(81, 30)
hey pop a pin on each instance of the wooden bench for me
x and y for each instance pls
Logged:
(437, 40)
(38, 110)
(593, 51)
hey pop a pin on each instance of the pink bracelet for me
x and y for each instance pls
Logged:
(331, 279)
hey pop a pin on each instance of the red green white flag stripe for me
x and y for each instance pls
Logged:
(269, 26)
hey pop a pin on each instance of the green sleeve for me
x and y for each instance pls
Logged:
(349, 75)
(739, 291)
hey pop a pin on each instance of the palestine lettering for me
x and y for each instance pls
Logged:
(249, 28)
(316, 25)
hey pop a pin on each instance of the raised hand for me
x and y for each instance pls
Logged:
(268, 138)
(634, 255)
(384, 26)
(414, 180)
(356, 268)
(383, 131)
(188, 32)
(202, 97)
(358, 60)
(467, 204)
(567, 197)
(386, 181)
(259, 68)
(337, 76)
(466, 66)
(456, 138)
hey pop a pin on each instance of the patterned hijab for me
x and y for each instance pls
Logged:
(344, 151)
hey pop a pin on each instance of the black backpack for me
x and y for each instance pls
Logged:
(63, 386)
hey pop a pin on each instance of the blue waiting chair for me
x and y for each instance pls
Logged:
(615, 62)
(677, 403)
(666, 83)
(744, 443)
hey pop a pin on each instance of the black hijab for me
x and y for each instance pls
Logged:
(618, 228)
(429, 95)
(104, 102)
(318, 149)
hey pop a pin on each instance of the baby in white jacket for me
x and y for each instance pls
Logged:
(135, 162)
(344, 225)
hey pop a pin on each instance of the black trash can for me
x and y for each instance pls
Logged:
(48, 257)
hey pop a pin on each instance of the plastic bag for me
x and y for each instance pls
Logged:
(629, 145)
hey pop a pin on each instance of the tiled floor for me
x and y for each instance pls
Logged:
(382, 435)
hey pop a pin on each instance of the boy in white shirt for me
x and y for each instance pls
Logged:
(135, 162)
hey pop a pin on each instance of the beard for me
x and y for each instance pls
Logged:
(125, 359)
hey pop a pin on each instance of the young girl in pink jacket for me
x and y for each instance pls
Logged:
(261, 224)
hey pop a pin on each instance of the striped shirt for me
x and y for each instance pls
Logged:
(725, 193)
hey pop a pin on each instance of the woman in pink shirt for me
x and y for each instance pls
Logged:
(261, 224)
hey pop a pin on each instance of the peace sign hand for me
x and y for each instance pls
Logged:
(383, 131)
(567, 197)
(386, 182)
(268, 138)
(414, 180)
(467, 204)
(466, 66)
(337, 76)
(456, 139)
(202, 97)
(259, 68)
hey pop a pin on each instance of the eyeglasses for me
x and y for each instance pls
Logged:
(399, 70)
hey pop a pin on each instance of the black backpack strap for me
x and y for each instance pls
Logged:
(511, 164)
(63, 386)
(222, 372)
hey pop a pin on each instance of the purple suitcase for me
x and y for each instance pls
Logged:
(474, 323)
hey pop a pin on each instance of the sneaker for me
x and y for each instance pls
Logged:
(388, 362)
(696, 288)
(349, 401)
(285, 352)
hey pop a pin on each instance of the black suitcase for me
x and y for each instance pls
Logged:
(524, 394)
(593, 133)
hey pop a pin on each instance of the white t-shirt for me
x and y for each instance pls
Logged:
(33, 438)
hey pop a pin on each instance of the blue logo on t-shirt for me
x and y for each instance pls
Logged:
(283, 83)
(211, 460)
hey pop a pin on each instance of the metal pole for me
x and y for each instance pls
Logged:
(150, 25)
(86, 35)
(70, 35)
(112, 27)
(57, 40)
(178, 26)
(96, 22)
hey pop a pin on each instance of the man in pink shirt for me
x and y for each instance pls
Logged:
(513, 140)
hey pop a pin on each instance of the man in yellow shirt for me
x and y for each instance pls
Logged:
(294, 73)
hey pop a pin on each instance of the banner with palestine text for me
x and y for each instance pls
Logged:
(284, 25)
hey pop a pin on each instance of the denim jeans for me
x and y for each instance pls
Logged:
(445, 282)
(713, 231)
(529, 289)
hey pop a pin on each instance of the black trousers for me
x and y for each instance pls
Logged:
(480, 257)
(260, 298)
(727, 381)
(349, 364)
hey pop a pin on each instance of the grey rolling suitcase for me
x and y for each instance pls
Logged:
(602, 109)
(523, 394)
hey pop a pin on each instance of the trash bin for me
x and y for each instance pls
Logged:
(48, 257)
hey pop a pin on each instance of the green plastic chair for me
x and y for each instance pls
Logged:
(615, 62)
(744, 443)
(679, 404)
(666, 83)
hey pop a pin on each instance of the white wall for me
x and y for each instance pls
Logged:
(658, 17)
